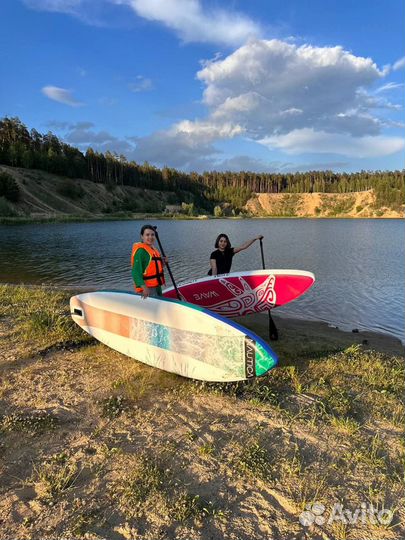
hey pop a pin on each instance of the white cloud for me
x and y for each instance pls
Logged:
(389, 86)
(187, 18)
(141, 84)
(184, 143)
(289, 98)
(61, 95)
(191, 23)
(274, 86)
(81, 134)
(307, 140)
(92, 12)
(177, 149)
(206, 131)
(70, 7)
(68, 126)
(399, 64)
(247, 163)
(107, 101)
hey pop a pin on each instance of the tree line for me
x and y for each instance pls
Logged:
(20, 147)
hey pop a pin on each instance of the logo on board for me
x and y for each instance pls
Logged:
(250, 365)
(205, 295)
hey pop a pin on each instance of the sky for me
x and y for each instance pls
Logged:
(258, 85)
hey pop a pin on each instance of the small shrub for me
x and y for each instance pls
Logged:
(218, 211)
(206, 449)
(71, 189)
(55, 476)
(255, 461)
(9, 187)
(29, 423)
(151, 206)
(6, 208)
(186, 505)
(113, 406)
(145, 480)
(129, 205)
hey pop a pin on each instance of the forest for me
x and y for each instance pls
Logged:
(21, 147)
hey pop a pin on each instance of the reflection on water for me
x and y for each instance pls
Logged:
(358, 264)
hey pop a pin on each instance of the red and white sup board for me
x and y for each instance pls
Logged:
(241, 293)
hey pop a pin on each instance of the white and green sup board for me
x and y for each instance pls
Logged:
(175, 336)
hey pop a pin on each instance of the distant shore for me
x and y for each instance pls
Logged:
(177, 217)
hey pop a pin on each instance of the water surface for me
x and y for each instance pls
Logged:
(358, 264)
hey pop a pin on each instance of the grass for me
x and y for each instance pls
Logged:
(254, 460)
(33, 423)
(147, 487)
(40, 317)
(336, 206)
(346, 426)
(55, 477)
(113, 406)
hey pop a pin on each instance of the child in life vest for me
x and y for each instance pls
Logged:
(147, 265)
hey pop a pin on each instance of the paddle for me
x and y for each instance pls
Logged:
(167, 264)
(273, 332)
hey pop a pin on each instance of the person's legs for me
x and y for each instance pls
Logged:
(153, 292)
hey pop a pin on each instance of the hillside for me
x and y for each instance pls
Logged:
(360, 204)
(43, 195)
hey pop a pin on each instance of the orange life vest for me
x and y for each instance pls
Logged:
(153, 275)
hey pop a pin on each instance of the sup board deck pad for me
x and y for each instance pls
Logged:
(242, 293)
(175, 336)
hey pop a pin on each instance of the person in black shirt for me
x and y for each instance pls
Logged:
(221, 258)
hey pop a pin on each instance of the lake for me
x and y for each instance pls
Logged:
(358, 264)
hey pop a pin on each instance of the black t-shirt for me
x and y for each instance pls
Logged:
(223, 259)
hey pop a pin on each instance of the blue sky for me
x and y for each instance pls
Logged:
(200, 85)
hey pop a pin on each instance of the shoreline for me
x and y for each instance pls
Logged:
(302, 335)
(305, 336)
(135, 217)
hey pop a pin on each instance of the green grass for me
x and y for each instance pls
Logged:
(113, 406)
(33, 423)
(254, 460)
(148, 488)
(40, 316)
(55, 476)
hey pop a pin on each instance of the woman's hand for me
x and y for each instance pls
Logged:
(145, 292)
(260, 237)
(166, 260)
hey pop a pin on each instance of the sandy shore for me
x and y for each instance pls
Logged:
(297, 337)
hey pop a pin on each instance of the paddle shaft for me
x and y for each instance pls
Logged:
(167, 264)
(273, 332)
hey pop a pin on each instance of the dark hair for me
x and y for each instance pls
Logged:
(145, 227)
(226, 238)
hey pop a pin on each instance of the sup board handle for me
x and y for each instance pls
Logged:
(167, 264)
(273, 332)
